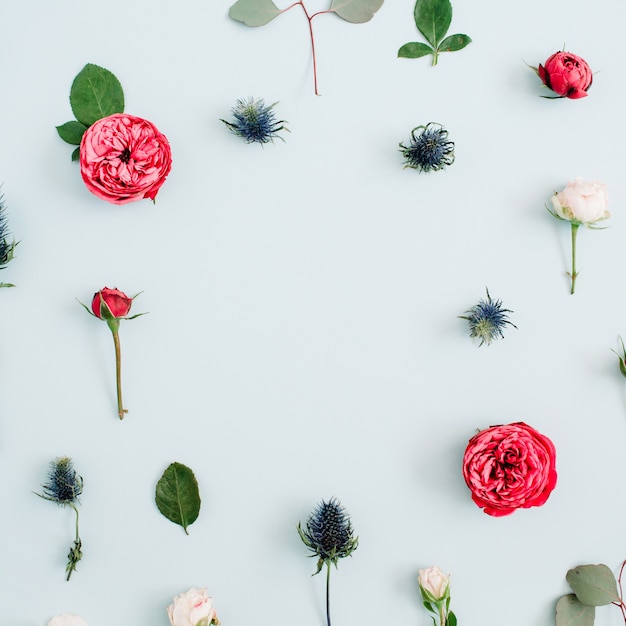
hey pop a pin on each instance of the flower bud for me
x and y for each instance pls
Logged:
(434, 585)
(110, 303)
(568, 75)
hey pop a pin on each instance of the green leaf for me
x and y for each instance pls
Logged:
(177, 495)
(95, 93)
(356, 11)
(415, 50)
(254, 12)
(570, 612)
(454, 43)
(432, 18)
(594, 585)
(71, 132)
(76, 154)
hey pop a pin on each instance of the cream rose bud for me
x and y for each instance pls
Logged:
(67, 619)
(582, 201)
(434, 584)
(193, 608)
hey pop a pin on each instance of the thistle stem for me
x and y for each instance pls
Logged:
(574, 273)
(71, 565)
(328, 593)
(118, 374)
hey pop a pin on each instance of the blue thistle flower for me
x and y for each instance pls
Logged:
(429, 148)
(64, 486)
(328, 536)
(255, 122)
(487, 319)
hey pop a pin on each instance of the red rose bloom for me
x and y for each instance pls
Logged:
(109, 303)
(509, 467)
(566, 74)
(124, 158)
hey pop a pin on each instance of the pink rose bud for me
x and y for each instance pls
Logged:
(566, 74)
(108, 303)
(124, 158)
(434, 584)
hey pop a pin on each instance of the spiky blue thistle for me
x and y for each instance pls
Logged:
(487, 320)
(64, 486)
(429, 148)
(254, 121)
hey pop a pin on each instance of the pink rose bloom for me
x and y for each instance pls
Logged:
(566, 74)
(582, 202)
(193, 608)
(124, 158)
(116, 303)
(509, 467)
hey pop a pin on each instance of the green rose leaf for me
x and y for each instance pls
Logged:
(451, 619)
(570, 612)
(95, 93)
(254, 12)
(177, 495)
(432, 18)
(454, 43)
(415, 50)
(76, 154)
(356, 11)
(71, 132)
(594, 585)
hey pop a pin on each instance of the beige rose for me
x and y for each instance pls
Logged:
(67, 619)
(434, 584)
(581, 202)
(193, 608)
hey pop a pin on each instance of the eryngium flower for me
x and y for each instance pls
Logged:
(429, 148)
(255, 122)
(328, 533)
(487, 319)
(64, 484)
(7, 246)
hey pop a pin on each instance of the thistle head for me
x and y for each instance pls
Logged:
(429, 148)
(64, 485)
(7, 245)
(487, 319)
(255, 122)
(328, 534)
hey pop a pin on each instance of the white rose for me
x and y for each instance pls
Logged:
(434, 584)
(67, 619)
(193, 608)
(582, 201)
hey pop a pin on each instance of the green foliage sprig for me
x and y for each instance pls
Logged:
(432, 18)
(592, 586)
(261, 12)
(95, 93)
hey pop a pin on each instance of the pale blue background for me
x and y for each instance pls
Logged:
(303, 338)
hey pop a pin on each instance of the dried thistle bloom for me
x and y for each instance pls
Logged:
(487, 319)
(64, 486)
(329, 536)
(429, 148)
(255, 122)
(7, 246)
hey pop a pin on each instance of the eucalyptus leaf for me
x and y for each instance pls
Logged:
(71, 132)
(177, 495)
(415, 50)
(356, 11)
(594, 585)
(454, 43)
(432, 18)
(570, 612)
(254, 12)
(95, 93)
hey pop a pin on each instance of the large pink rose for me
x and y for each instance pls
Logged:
(566, 74)
(509, 467)
(124, 158)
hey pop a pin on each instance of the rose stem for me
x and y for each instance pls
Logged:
(442, 615)
(574, 273)
(328, 593)
(118, 374)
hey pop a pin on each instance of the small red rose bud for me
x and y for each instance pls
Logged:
(108, 303)
(567, 74)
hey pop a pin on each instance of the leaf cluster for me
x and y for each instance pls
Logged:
(433, 18)
(592, 586)
(432, 607)
(95, 93)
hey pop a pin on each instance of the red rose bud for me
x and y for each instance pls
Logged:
(566, 74)
(509, 467)
(110, 303)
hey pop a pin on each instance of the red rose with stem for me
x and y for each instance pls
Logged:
(113, 305)
(567, 74)
(509, 467)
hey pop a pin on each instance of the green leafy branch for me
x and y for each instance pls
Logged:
(593, 585)
(261, 12)
(95, 93)
(432, 18)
